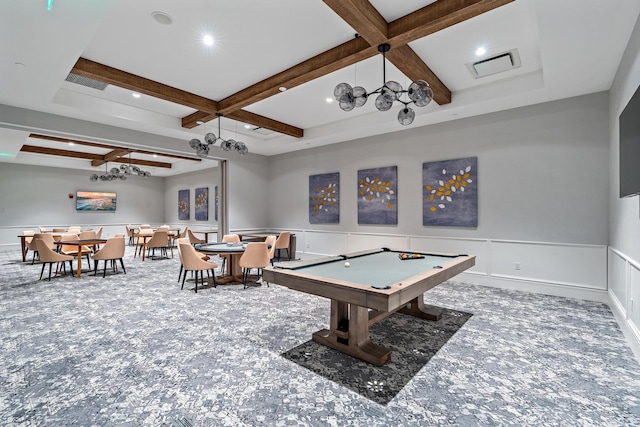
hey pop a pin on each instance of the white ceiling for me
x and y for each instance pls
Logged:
(567, 48)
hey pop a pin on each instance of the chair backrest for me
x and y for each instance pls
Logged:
(28, 233)
(129, 231)
(192, 238)
(145, 226)
(59, 230)
(191, 260)
(283, 240)
(183, 233)
(47, 238)
(99, 233)
(271, 244)
(89, 234)
(42, 229)
(163, 228)
(159, 239)
(119, 235)
(68, 248)
(49, 255)
(230, 238)
(256, 255)
(74, 229)
(112, 249)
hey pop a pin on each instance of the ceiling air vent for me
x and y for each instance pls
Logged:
(84, 81)
(496, 64)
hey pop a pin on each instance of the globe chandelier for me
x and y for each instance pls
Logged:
(419, 93)
(121, 173)
(202, 149)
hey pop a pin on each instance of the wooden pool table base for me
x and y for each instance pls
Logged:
(349, 328)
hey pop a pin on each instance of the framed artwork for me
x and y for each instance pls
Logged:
(378, 196)
(91, 201)
(450, 192)
(183, 205)
(216, 202)
(202, 204)
(324, 198)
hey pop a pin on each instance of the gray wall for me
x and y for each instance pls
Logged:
(542, 174)
(190, 181)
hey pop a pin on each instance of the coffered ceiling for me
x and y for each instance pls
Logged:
(273, 65)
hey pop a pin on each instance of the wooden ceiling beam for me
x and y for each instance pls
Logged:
(125, 160)
(113, 76)
(110, 156)
(414, 68)
(97, 144)
(334, 59)
(437, 16)
(58, 152)
(363, 18)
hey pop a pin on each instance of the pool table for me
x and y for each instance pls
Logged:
(373, 285)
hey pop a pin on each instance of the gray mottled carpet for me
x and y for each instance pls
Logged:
(412, 341)
(135, 350)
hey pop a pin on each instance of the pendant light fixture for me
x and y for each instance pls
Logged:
(202, 149)
(121, 173)
(419, 93)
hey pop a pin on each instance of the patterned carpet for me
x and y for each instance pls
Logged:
(135, 350)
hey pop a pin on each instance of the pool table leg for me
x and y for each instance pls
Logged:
(418, 308)
(349, 333)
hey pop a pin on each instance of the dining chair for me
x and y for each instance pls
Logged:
(159, 240)
(72, 249)
(113, 250)
(130, 234)
(49, 256)
(143, 233)
(191, 261)
(283, 243)
(48, 239)
(145, 226)
(202, 256)
(74, 229)
(28, 240)
(256, 255)
(59, 230)
(99, 233)
(42, 229)
(193, 239)
(271, 245)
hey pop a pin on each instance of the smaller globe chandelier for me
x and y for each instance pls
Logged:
(121, 173)
(419, 93)
(202, 149)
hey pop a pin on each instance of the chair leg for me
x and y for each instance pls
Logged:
(104, 269)
(122, 265)
(180, 274)
(95, 267)
(213, 274)
(71, 267)
(183, 279)
(50, 265)
(42, 271)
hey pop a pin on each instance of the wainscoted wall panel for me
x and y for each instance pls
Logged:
(624, 294)
(570, 264)
(617, 279)
(571, 270)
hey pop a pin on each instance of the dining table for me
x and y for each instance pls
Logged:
(233, 273)
(81, 244)
(206, 233)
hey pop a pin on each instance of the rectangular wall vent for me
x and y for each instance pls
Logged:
(85, 81)
(499, 63)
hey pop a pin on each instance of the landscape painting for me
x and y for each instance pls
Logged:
(324, 198)
(183, 205)
(378, 196)
(202, 204)
(95, 201)
(450, 192)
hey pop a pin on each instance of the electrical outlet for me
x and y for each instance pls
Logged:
(517, 265)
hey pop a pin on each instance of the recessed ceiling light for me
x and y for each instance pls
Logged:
(282, 88)
(247, 126)
(162, 18)
(136, 95)
(481, 51)
(329, 100)
(155, 155)
(71, 144)
(208, 40)
(200, 122)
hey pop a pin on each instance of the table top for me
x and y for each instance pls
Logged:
(81, 242)
(377, 279)
(221, 247)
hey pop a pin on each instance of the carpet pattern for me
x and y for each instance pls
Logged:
(135, 350)
(412, 341)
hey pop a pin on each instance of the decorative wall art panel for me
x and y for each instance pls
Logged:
(377, 196)
(324, 198)
(216, 202)
(450, 193)
(95, 201)
(183, 205)
(202, 204)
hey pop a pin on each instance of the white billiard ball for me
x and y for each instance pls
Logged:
(347, 265)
